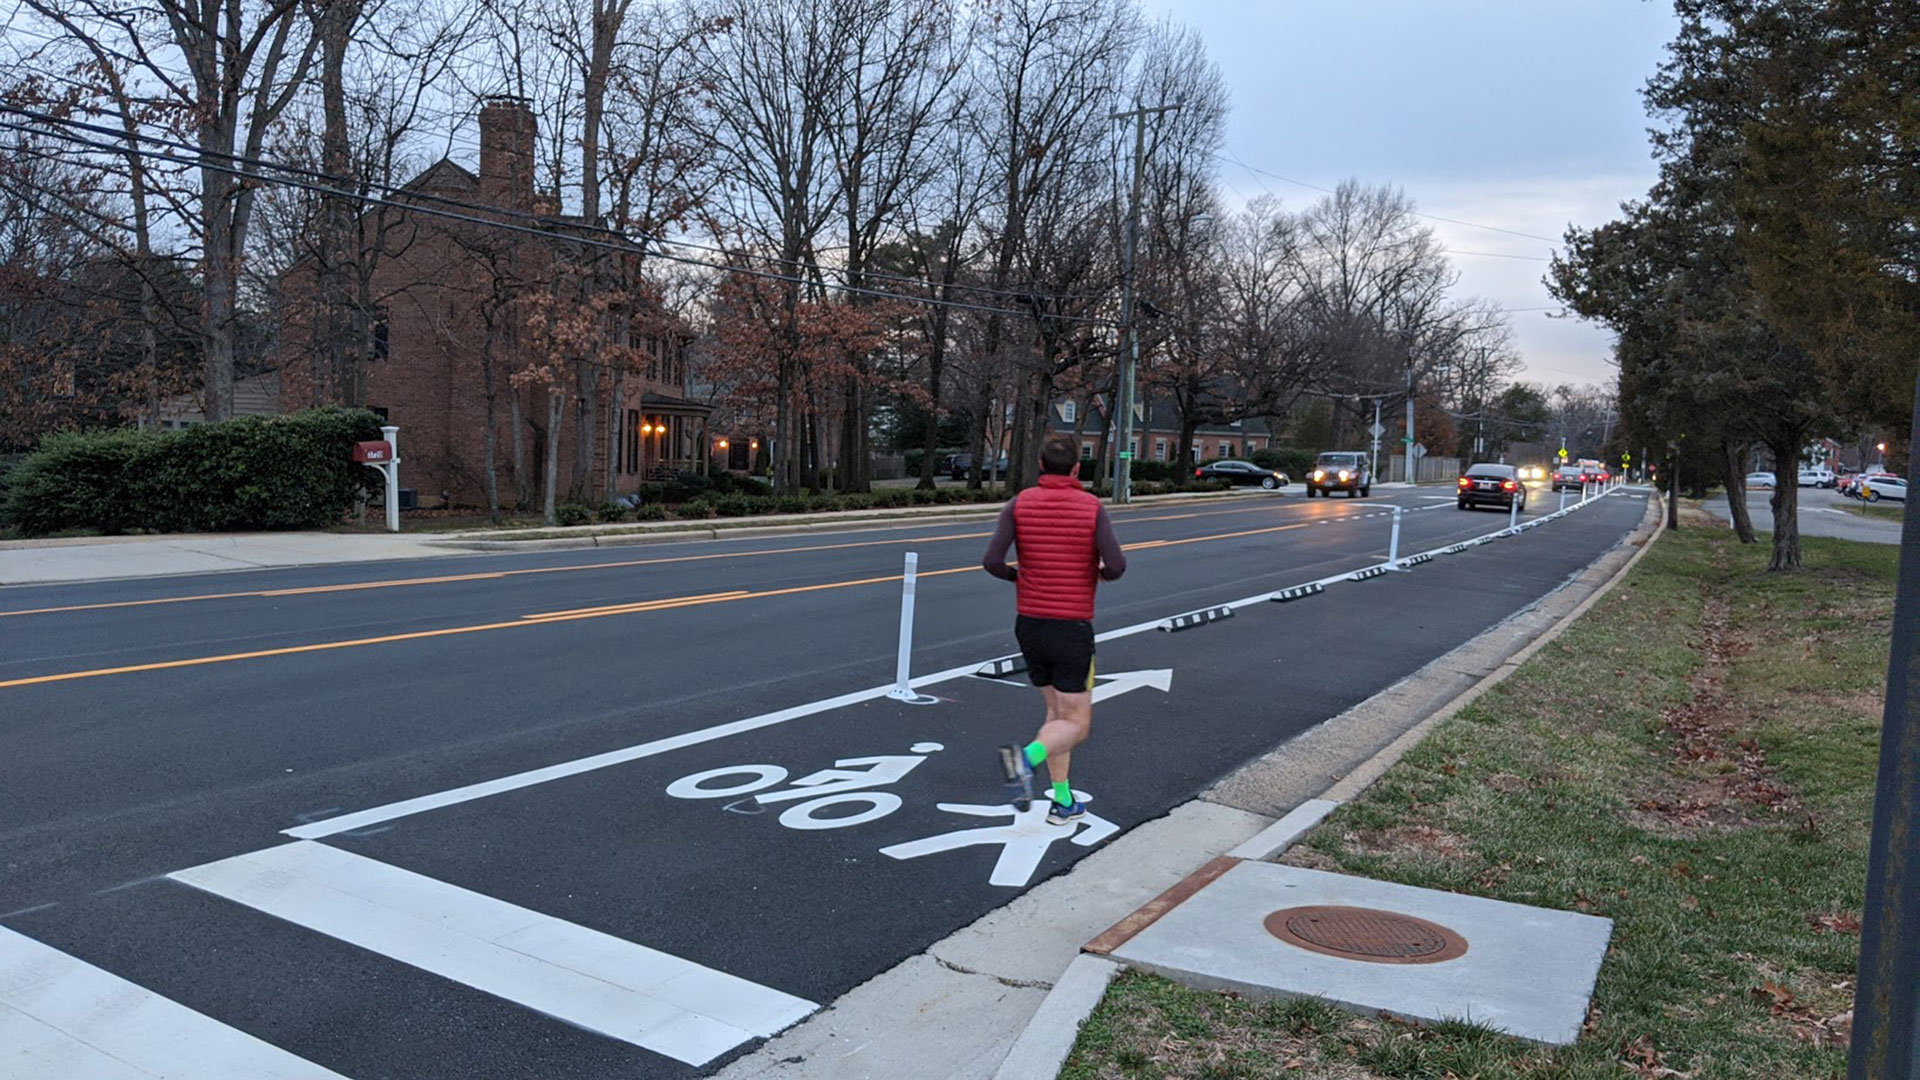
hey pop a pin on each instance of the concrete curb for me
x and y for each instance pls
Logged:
(1043, 1047)
(774, 525)
(1067, 1006)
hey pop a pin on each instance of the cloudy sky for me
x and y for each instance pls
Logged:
(1520, 114)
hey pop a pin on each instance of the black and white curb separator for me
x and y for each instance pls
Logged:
(1197, 618)
(1416, 560)
(1002, 667)
(1369, 572)
(1454, 549)
(1298, 591)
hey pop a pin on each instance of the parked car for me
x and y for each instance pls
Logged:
(1491, 485)
(1340, 470)
(1883, 486)
(1818, 477)
(1568, 478)
(1242, 474)
(1759, 480)
(962, 464)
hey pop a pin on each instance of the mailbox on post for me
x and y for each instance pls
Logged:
(384, 454)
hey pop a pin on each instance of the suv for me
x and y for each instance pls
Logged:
(1340, 470)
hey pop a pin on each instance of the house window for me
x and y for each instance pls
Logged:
(379, 411)
(1068, 410)
(1086, 451)
(1226, 449)
(1194, 449)
(1159, 449)
(382, 335)
(1133, 448)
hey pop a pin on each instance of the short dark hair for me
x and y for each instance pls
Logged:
(1059, 456)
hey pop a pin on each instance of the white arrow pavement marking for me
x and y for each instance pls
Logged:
(1121, 682)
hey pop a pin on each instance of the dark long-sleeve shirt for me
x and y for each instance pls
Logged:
(1113, 561)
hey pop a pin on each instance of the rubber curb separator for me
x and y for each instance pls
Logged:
(1191, 619)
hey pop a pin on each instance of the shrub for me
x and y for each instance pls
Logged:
(288, 472)
(649, 512)
(571, 514)
(610, 511)
(1291, 460)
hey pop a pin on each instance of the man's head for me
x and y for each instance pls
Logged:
(1059, 456)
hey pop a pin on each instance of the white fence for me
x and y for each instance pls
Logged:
(1428, 470)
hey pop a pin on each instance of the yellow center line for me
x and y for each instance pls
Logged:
(448, 579)
(549, 618)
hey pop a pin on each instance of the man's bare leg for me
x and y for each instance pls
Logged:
(1069, 722)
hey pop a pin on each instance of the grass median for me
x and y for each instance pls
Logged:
(1693, 759)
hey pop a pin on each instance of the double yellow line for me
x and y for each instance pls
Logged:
(548, 618)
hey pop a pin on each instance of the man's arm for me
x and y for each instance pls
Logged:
(1113, 561)
(995, 562)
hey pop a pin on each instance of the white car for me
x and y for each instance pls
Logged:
(1759, 480)
(1875, 488)
(1819, 477)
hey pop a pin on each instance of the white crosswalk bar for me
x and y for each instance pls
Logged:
(599, 982)
(63, 1017)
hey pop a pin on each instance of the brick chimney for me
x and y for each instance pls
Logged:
(506, 152)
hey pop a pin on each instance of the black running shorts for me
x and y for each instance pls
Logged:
(1059, 652)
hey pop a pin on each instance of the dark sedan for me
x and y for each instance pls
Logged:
(1242, 474)
(1492, 485)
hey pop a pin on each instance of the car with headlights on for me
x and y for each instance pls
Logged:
(1340, 470)
(1491, 485)
(1241, 474)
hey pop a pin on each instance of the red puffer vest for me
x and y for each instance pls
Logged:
(1053, 527)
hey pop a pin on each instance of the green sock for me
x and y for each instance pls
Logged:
(1062, 793)
(1036, 752)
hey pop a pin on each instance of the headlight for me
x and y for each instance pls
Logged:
(1319, 474)
(1344, 475)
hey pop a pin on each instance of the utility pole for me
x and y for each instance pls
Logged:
(1123, 473)
(1886, 1005)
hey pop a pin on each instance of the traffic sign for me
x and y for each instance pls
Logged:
(1563, 453)
(1376, 431)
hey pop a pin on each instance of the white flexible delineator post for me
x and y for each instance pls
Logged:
(1393, 544)
(392, 470)
(902, 670)
(1513, 513)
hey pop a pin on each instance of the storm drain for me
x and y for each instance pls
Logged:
(1367, 934)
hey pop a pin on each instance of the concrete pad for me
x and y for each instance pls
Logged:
(1527, 971)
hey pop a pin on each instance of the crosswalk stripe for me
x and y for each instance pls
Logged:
(63, 1017)
(596, 981)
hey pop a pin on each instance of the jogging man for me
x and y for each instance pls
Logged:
(1065, 545)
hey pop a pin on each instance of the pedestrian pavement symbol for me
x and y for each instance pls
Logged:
(1023, 841)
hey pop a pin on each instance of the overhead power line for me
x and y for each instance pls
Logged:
(413, 202)
(1223, 156)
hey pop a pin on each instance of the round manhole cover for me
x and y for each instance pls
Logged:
(1354, 933)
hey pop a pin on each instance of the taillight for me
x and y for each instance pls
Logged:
(1199, 472)
(1464, 482)
(1508, 486)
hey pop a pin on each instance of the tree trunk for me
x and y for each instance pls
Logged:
(517, 425)
(1183, 460)
(977, 442)
(1735, 458)
(556, 411)
(1786, 504)
(1673, 491)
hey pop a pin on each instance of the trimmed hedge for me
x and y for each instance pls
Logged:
(249, 473)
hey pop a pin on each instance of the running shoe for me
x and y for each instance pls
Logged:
(1064, 815)
(1013, 761)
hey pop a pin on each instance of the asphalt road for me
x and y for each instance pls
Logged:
(152, 726)
(1822, 513)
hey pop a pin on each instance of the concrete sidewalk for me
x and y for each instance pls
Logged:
(24, 562)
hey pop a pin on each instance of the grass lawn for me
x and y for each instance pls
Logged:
(1694, 759)
(1884, 511)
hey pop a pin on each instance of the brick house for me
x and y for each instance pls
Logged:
(1156, 432)
(453, 317)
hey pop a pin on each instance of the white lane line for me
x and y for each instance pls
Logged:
(407, 807)
(63, 1017)
(593, 980)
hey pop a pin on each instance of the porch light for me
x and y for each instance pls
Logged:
(722, 444)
